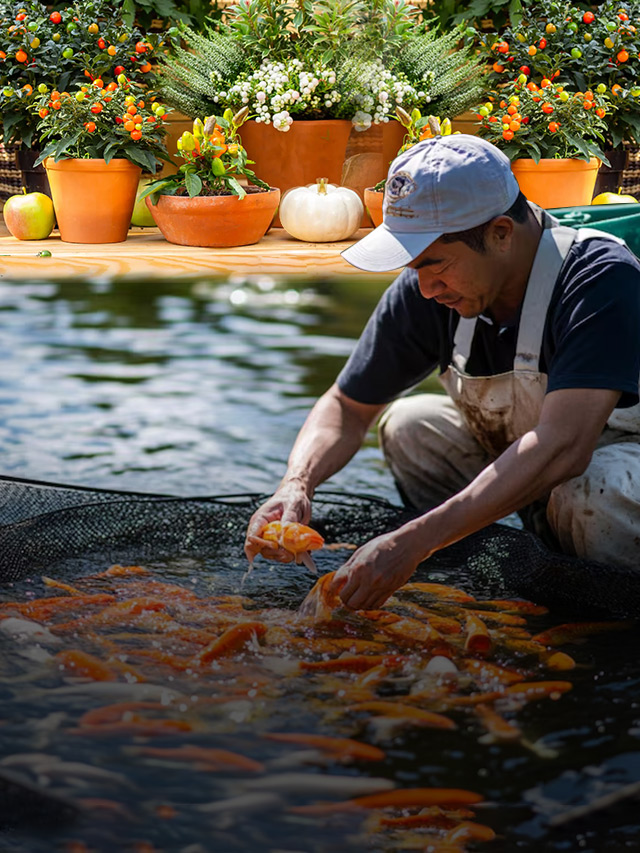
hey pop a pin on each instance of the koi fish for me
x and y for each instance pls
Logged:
(574, 632)
(417, 716)
(233, 640)
(400, 798)
(497, 727)
(340, 747)
(205, 758)
(296, 538)
(322, 600)
(478, 640)
(438, 590)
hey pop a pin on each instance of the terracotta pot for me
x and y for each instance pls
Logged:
(93, 200)
(557, 183)
(373, 203)
(307, 151)
(215, 221)
(393, 134)
(176, 124)
(34, 178)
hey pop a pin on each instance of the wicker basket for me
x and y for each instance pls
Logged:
(10, 177)
(631, 175)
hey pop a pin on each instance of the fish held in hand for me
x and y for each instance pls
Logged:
(298, 539)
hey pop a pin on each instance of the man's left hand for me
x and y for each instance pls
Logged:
(376, 570)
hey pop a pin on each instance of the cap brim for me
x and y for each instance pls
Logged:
(383, 250)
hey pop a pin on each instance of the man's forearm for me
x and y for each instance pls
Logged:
(329, 438)
(525, 472)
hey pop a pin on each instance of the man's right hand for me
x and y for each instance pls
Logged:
(289, 503)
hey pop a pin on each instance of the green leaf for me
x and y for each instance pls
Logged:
(237, 188)
(155, 188)
(110, 150)
(193, 184)
(139, 156)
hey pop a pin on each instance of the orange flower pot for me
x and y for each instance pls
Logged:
(93, 200)
(215, 221)
(373, 203)
(557, 183)
(307, 151)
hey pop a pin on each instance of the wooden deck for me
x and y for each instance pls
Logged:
(146, 254)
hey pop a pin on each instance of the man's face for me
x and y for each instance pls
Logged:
(459, 277)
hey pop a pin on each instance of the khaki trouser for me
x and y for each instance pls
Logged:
(433, 455)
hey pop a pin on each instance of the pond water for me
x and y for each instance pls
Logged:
(198, 388)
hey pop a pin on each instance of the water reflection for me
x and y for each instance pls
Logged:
(191, 387)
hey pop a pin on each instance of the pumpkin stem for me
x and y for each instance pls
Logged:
(322, 185)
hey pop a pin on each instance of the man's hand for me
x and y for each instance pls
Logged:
(377, 570)
(289, 503)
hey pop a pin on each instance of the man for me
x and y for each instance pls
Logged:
(536, 330)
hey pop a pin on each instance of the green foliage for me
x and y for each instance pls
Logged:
(89, 37)
(214, 160)
(97, 124)
(555, 41)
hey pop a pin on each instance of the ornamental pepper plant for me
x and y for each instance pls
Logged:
(580, 49)
(547, 121)
(61, 49)
(216, 163)
(102, 121)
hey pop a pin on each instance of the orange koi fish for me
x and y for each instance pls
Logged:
(41, 609)
(400, 798)
(433, 816)
(322, 600)
(478, 640)
(345, 663)
(438, 590)
(417, 716)
(499, 618)
(85, 665)
(558, 661)
(116, 712)
(516, 606)
(539, 689)
(207, 757)
(296, 538)
(233, 640)
(573, 632)
(72, 590)
(340, 747)
(498, 728)
(468, 831)
(484, 671)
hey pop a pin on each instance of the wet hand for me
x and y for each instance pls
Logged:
(289, 503)
(376, 571)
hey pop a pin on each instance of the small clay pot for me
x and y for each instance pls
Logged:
(373, 203)
(217, 222)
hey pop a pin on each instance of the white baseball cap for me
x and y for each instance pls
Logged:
(439, 186)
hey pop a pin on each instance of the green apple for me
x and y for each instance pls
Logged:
(141, 215)
(614, 198)
(29, 216)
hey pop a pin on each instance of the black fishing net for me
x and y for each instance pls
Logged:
(46, 527)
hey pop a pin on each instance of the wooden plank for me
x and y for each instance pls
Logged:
(146, 254)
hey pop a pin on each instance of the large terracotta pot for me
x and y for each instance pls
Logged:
(307, 151)
(373, 203)
(215, 221)
(557, 183)
(93, 200)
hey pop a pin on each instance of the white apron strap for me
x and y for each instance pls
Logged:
(555, 244)
(462, 342)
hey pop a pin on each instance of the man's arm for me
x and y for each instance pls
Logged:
(559, 448)
(329, 438)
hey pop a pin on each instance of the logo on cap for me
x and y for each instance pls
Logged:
(396, 189)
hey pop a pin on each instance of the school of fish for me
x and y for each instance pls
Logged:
(156, 670)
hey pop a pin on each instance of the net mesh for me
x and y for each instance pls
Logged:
(46, 527)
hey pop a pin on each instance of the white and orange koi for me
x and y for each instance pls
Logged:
(417, 716)
(497, 727)
(400, 798)
(204, 758)
(339, 747)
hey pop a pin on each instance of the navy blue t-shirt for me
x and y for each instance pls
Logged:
(591, 337)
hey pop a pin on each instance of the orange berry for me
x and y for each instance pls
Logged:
(622, 56)
(141, 104)
(90, 126)
(496, 67)
(21, 56)
(145, 68)
(507, 134)
(96, 108)
(512, 109)
(98, 83)
(532, 50)
(151, 118)
(129, 125)
(587, 104)
(545, 82)
(43, 113)
(55, 105)
(136, 134)
(111, 50)
(514, 126)
(553, 126)
(547, 108)
(601, 112)
(132, 110)
(112, 87)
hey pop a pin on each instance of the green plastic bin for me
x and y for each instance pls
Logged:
(622, 220)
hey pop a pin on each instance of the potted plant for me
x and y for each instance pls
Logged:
(309, 73)
(43, 50)
(414, 128)
(552, 136)
(582, 50)
(97, 139)
(214, 199)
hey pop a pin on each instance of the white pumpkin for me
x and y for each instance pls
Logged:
(321, 212)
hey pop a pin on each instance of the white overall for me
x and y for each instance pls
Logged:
(596, 515)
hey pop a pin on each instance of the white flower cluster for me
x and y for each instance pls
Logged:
(382, 92)
(277, 89)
